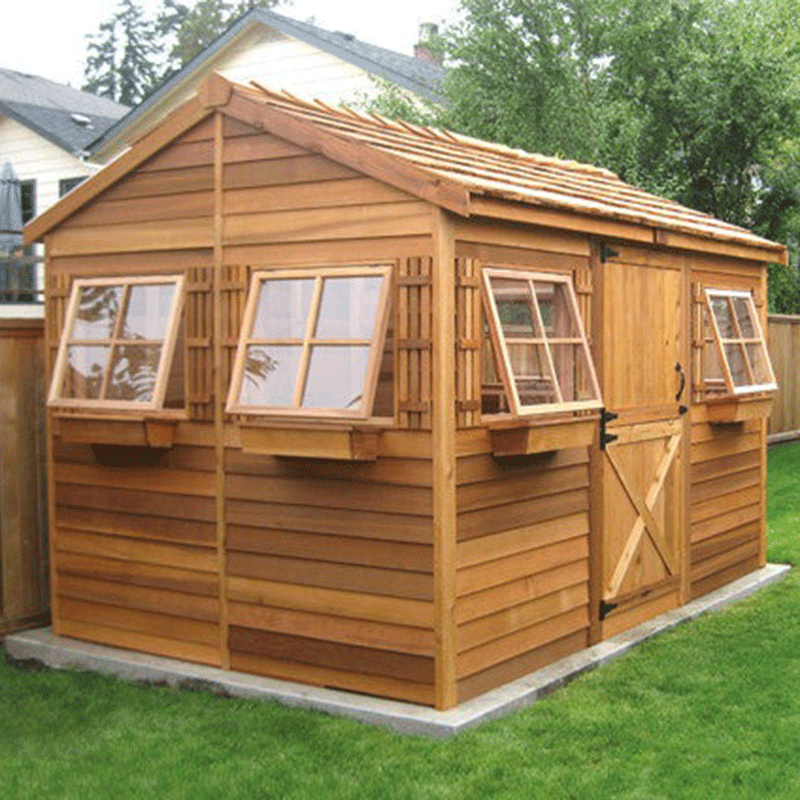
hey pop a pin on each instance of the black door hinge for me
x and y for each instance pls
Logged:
(607, 252)
(605, 418)
(606, 609)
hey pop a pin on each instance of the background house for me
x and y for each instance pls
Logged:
(45, 128)
(301, 58)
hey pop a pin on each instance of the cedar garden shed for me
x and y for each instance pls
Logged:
(373, 406)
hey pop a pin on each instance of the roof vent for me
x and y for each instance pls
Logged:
(348, 36)
(82, 120)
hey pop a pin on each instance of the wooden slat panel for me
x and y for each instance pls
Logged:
(347, 577)
(478, 468)
(368, 524)
(152, 479)
(727, 465)
(344, 549)
(494, 626)
(714, 487)
(390, 471)
(504, 570)
(142, 598)
(528, 485)
(135, 573)
(727, 446)
(358, 191)
(725, 522)
(526, 512)
(322, 676)
(359, 632)
(279, 172)
(335, 602)
(329, 494)
(520, 591)
(368, 661)
(134, 640)
(628, 618)
(138, 526)
(163, 626)
(515, 644)
(135, 502)
(726, 503)
(515, 668)
(712, 582)
(144, 209)
(708, 548)
(173, 555)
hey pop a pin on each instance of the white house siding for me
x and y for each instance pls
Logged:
(275, 60)
(35, 158)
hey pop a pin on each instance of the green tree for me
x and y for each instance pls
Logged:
(189, 27)
(121, 59)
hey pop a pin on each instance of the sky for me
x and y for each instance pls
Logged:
(48, 37)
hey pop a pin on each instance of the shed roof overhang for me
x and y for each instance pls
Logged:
(463, 175)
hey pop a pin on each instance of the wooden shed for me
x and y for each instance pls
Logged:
(367, 405)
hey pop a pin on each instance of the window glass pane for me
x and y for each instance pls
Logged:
(348, 307)
(336, 377)
(148, 311)
(758, 363)
(513, 301)
(743, 317)
(572, 369)
(736, 363)
(557, 312)
(98, 307)
(133, 372)
(532, 374)
(83, 378)
(270, 375)
(722, 314)
(283, 308)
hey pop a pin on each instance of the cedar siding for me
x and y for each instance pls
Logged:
(442, 547)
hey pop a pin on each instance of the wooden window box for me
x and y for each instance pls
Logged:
(738, 409)
(157, 433)
(515, 439)
(343, 443)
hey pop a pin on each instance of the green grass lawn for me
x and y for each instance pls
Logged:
(708, 710)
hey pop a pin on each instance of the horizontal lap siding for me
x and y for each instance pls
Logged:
(522, 564)
(522, 554)
(727, 503)
(728, 466)
(330, 572)
(135, 552)
(329, 564)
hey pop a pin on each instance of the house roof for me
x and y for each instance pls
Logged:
(46, 107)
(448, 169)
(420, 77)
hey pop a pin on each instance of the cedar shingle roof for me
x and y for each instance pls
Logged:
(496, 171)
(456, 172)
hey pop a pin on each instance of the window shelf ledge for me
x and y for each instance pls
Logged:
(138, 432)
(341, 442)
(540, 436)
(738, 409)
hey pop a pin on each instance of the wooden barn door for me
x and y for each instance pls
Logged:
(640, 461)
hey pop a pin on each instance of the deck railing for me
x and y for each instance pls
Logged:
(20, 277)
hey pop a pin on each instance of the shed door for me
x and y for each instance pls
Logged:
(641, 468)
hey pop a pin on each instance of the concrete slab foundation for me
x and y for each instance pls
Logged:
(62, 653)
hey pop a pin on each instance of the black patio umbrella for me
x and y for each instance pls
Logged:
(12, 278)
(10, 210)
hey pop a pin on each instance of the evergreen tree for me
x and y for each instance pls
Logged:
(192, 26)
(121, 62)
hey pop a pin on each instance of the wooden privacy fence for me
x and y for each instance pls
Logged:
(24, 593)
(784, 349)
